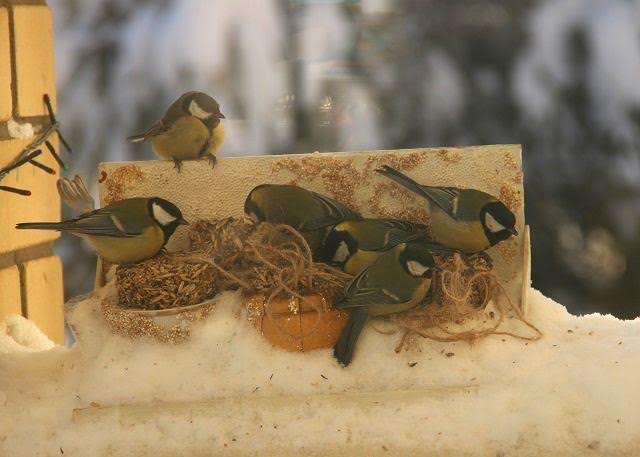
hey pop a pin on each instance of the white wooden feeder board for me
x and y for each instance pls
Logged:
(205, 193)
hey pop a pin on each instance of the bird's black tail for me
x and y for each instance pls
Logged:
(343, 350)
(401, 179)
(41, 225)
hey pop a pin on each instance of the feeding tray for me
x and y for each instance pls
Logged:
(160, 297)
(171, 325)
(350, 178)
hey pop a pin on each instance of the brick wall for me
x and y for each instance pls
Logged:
(30, 274)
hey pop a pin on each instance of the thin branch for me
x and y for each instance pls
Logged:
(31, 151)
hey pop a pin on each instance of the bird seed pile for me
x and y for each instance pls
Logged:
(166, 281)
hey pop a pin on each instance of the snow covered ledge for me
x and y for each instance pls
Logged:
(571, 393)
(227, 392)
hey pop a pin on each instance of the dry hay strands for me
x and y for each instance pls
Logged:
(463, 291)
(273, 259)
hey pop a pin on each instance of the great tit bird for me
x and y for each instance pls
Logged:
(190, 129)
(354, 245)
(397, 281)
(308, 212)
(465, 219)
(126, 231)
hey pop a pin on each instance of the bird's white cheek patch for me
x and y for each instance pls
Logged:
(162, 216)
(198, 112)
(342, 253)
(493, 225)
(416, 268)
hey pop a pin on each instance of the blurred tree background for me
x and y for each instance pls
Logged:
(558, 76)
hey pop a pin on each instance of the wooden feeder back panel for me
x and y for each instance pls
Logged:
(349, 177)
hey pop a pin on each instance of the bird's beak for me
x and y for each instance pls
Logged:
(221, 116)
(437, 269)
(182, 221)
(513, 231)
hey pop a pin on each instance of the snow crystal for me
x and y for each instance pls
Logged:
(18, 334)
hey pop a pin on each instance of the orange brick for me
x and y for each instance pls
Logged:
(44, 296)
(42, 205)
(9, 292)
(6, 100)
(33, 51)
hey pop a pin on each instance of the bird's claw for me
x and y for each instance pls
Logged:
(177, 164)
(212, 160)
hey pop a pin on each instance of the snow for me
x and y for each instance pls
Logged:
(571, 393)
(20, 130)
(18, 334)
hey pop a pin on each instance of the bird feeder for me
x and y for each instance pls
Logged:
(350, 178)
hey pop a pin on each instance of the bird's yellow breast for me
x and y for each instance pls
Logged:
(184, 140)
(128, 249)
(467, 236)
(217, 137)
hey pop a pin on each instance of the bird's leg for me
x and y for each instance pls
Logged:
(212, 159)
(177, 164)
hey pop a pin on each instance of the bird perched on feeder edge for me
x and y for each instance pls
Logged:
(190, 129)
(126, 231)
(308, 212)
(397, 281)
(466, 219)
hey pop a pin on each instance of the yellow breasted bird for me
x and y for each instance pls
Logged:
(466, 219)
(126, 231)
(308, 212)
(397, 281)
(354, 245)
(190, 129)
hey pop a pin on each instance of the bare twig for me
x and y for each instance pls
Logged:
(31, 151)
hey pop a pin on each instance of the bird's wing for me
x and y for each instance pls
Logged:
(334, 213)
(155, 130)
(98, 222)
(368, 297)
(444, 197)
(75, 195)
(360, 292)
(396, 236)
(403, 225)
